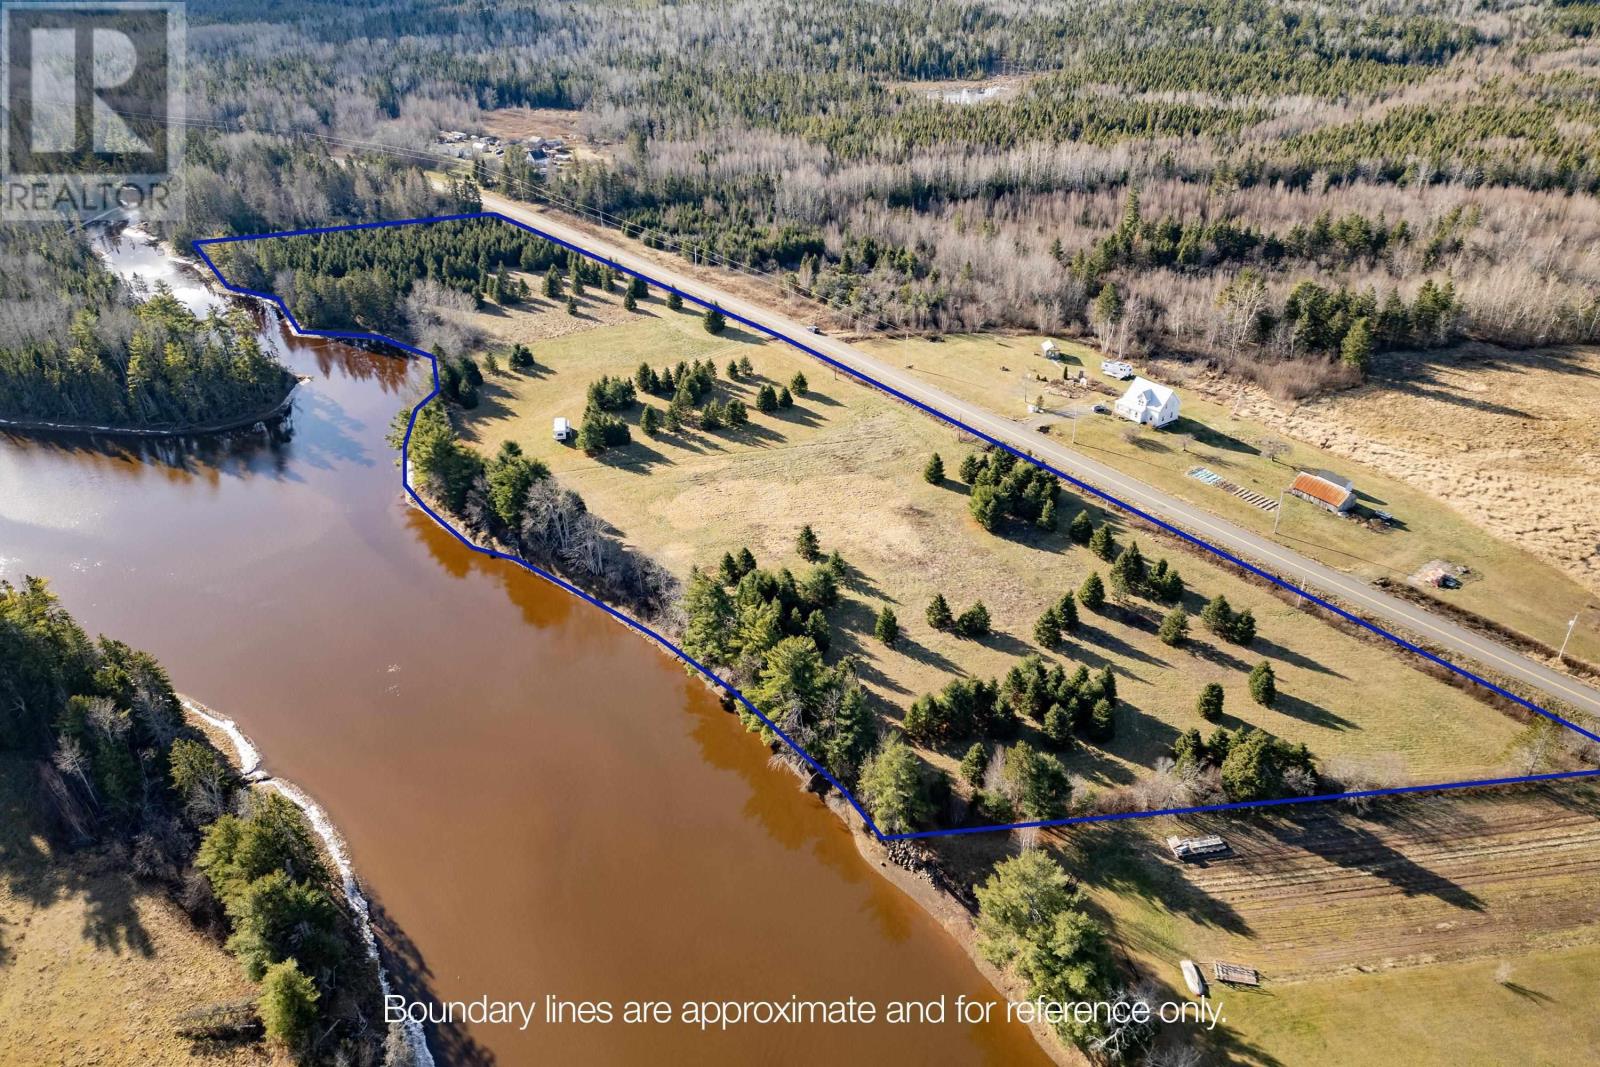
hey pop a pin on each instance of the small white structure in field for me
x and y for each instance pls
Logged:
(1148, 404)
(561, 429)
(1193, 978)
(1049, 350)
(1185, 847)
(1115, 368)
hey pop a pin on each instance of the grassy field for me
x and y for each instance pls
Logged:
(1525, 590)
(849, 460)
(94, 968)
(1435, 930)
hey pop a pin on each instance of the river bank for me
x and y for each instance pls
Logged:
(245, 758)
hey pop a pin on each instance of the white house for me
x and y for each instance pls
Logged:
(1117, 369)
(1148, 404)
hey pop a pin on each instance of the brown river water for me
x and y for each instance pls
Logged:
(537, 800)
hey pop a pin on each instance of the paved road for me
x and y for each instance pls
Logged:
(1315, 577)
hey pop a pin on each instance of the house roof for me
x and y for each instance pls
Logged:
(1331, 493)
(1147, 393)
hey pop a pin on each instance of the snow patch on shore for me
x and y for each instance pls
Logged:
(250, 766)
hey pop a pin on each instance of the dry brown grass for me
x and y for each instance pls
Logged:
(94, 967)
(1510, 439)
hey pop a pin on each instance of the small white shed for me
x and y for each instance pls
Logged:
(1148, 404)
(1049, 350)
(561, 429)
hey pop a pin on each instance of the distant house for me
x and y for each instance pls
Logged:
(1049, 350)
(1115, 368)
(1148, 404)
(1324, 489)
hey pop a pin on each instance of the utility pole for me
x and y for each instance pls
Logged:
(1277, 515)
(1570, 624)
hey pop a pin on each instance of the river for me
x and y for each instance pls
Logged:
(537, 800)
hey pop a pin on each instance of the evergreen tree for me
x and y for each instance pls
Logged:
(1102, 545)
(1092, 594)
(674, 302)
(733, 370)
(974, 763)
(1356, 348)
(933, 473)
(1102, 723)
(1209, 705)
(1175, 627)
(799, 384)
(629, 303)
(745, 367)
(1242, 631)
(1081, 529)
(288, 1005)
(984, 504)
(552, 283)
(1058, 726)
(974, 622)
(806, 544)
(1128, 573)
(649, 421)
(893, 788)
(1263, 684)
(1047, 631)
(938, 614)
(1047, 517)
(887, 628)
(837, 566)
(714, 320)
(766, 400)
(971, 466)
(1067, 612)
(1105, 683)
(785, 398)
(1218, 615)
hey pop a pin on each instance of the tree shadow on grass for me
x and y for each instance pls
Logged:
(921, 653)
(796, 415)
(1125, 862)
(636, 457)
(1343, 842)
(1312, 714)
(1284, 654)
(1104, 639)
(38, 865)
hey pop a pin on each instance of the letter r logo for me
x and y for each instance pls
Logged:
(91, 86)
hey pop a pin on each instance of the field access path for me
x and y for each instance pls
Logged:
(1187, 520)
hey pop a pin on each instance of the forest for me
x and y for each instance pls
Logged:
(118, 765)
(77, 347)
(819, 146)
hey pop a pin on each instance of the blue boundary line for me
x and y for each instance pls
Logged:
(200, 247)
